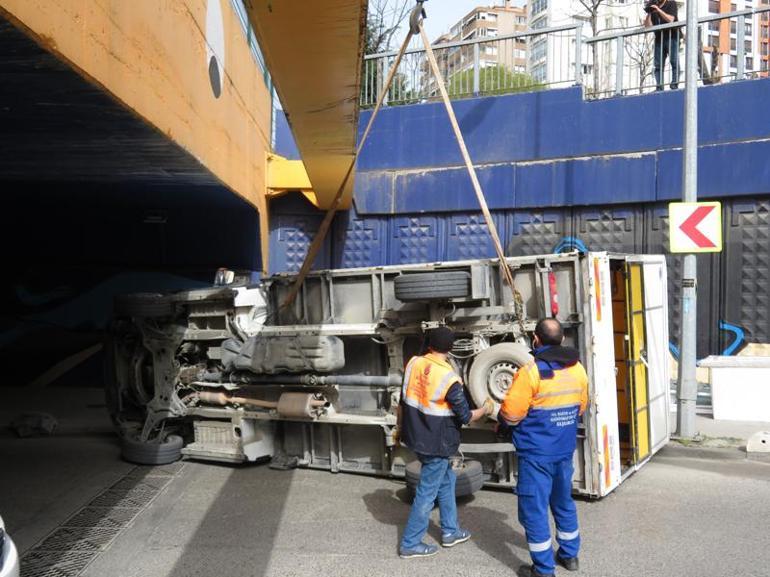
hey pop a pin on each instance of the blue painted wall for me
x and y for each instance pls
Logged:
(553, 148)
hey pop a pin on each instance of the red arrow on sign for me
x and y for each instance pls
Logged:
(690, 227)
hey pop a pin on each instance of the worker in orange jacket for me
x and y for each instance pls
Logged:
(432, 411)
(542, 408)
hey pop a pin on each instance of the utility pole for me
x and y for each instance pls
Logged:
(687, 386)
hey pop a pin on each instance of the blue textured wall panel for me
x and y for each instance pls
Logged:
(359, 241)
(451, 190)
(468, 236)
(416, 239)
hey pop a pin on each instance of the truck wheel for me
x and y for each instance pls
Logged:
(470, 477)
(493, 370)
(428, 286)
(144, 305)
(151, 452)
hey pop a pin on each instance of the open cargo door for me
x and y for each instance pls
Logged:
(655, 355)
(636, 360)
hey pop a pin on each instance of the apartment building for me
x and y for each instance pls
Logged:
(487, 22)
(720, 38)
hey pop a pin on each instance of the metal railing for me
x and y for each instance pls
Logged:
(611, 64)
(483, 66)
(641, 60)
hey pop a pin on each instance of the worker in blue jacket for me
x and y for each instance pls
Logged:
(542, 407)
(432, 410)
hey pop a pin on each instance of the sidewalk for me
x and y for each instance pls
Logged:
(713, 433)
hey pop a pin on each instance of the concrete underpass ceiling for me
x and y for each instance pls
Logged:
(313, 51)
(56, 126)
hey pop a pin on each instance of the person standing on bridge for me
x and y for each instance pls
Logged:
(432, 410)
(543, 406)
(666, 41)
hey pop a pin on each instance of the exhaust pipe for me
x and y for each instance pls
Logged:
(305, 405)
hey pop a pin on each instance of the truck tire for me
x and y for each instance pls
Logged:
(144, 305)
(493, 370)
(151, 452)
(430, 286)
(470, 477)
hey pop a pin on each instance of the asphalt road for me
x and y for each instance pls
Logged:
(689, 512)
(679, 516)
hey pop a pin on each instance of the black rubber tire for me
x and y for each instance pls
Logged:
(152, 453)
(144, 305)
(429, 286)
(470, 478)
(502, 353)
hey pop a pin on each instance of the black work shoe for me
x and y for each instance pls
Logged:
(535, 573)
(570, 563)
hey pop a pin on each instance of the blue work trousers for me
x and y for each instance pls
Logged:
(437, 481)
(544, 484)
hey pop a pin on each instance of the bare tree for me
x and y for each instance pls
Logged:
(384, 19)
(589, 10)
(640, 52)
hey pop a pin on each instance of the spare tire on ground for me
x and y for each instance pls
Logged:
(144, 305)
(155, 452)
(470, 477)
(430, 286)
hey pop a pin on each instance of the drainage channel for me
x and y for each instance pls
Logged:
(71, 547)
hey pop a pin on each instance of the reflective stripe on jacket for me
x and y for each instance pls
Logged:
(433, 406)
(545, 401)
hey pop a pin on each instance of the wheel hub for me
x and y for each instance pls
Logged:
(500, 379)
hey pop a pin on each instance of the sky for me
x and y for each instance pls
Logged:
(442, 14)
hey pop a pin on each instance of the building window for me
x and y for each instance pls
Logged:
(732, 44)
(747, 45)
(749, 63)
(714, 25)
(539, 73)
(733, 62)
(539, 23)
(490, 50)
(538, 6)
(492, 16)
(714, 6)
(733, 8)
(748, 28)
(733, 27)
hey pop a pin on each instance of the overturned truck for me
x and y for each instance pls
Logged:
(232, 374)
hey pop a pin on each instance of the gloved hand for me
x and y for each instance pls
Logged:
(489, 406)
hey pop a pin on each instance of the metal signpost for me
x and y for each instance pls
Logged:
(687, 386)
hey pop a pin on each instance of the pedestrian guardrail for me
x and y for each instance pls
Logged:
(732, 46)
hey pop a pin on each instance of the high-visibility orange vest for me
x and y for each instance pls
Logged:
(427, 380)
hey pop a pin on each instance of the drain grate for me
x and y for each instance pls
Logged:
(71, 547)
